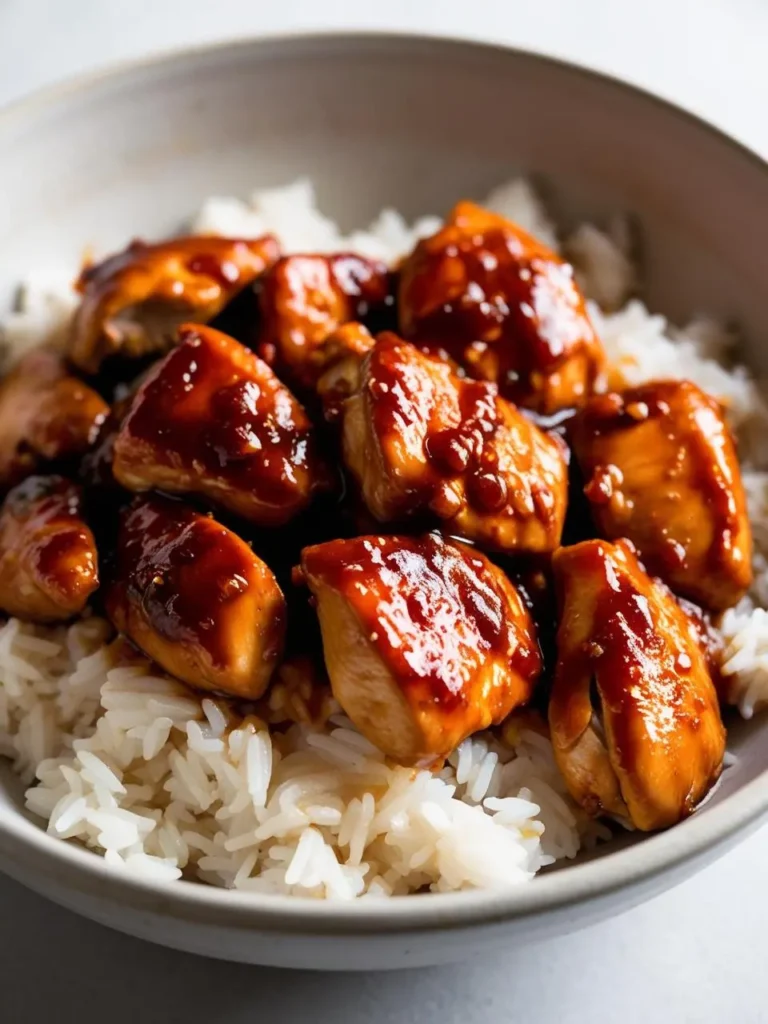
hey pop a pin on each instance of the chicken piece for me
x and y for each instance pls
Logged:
(634, 715)
(305, 298)
(425, 642)
(420, 440)
(504, 307)
(48, 558)
(350, 341)
(344, 350)
(661, 469)
(195, 598)
(212, 419)
(134, 301)
(45, 416)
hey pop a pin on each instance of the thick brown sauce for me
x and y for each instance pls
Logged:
(434, 610)
(59, 549)
(226, 262)
(401, 397)
(705, 451)
(132, 301)
(306, 297)
(216, 409)
(184, 570)
(47, 418)
(636, 668)
(504, 307)
(643, 655)
(413, 407)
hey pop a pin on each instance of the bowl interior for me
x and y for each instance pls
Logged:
(408, 123)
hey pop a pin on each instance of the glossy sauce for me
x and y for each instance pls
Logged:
(479, 454)
(696, 465)
(186, 574)
(96, 465)
(638, 673)
(46, 546)
(195, 274)
(305, 298)
(216, 413)
(46, 416)
(436, 612)
(656, 699)
(707, 637)
(503, 306)
(225, 263)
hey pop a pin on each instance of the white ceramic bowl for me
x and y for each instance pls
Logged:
(414, 123)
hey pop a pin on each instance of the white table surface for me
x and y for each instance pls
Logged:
(695, 954)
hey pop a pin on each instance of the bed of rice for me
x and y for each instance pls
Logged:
(165, 782)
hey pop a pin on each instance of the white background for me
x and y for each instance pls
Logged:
(698, 953)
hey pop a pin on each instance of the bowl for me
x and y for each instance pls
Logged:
(416, 123)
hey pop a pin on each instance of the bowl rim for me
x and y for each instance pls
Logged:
(656, 855)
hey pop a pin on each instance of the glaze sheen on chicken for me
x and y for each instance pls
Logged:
(633, 713)
(48, 559)
(194, 597)
(425, 641)
(421, 441)
(133, 302)
(46, 416)
(504, 307)
(212, 419)
(304, 298)
(661, 469)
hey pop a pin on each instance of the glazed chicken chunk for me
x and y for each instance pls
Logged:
(195, 598)
(45, 416)
(48, 558)
(421, 441)
(212, 419)
(503, 306)
(634, 715)
(304, 298)
(133, 302)
(661, 469)
(425, 642)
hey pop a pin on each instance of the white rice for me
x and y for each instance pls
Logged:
(291, 213)
(165, 782)
(219, 798)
